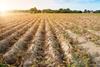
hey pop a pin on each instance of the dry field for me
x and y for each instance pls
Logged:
(50, 40)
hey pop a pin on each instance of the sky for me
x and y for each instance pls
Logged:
(52, 4)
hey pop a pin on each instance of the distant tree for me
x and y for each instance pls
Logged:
(76, 11)
(61, 10)
(48, 11)
(33, 10)
(97, 11)
(87, 11)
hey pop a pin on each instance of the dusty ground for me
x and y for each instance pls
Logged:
(50, 40)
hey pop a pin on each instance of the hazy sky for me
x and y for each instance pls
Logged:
(53, 4)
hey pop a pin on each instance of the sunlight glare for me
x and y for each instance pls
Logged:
(3, 7)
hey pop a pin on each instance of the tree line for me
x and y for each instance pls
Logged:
(61, 10)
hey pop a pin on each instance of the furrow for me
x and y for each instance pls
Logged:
(10, 40)
(15, 54)
(9, 32)
(36, 51)
(65, 45)
(54, 53)
(91, 47)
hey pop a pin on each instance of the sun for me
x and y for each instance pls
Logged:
(3, 7)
